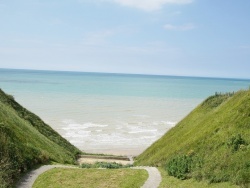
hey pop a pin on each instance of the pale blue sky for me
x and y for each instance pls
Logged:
(168, 37)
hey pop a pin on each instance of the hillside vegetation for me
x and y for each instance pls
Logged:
(212, 143)
(26, 141)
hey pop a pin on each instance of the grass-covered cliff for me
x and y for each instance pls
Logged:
(212, 143)
(26, 141)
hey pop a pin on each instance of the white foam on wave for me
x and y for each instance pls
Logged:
(142, 128)
(114, 138)
(77, 133)
(143, 131)
(147, 137)
(170, 123)
(141, 116)
(89, 125)
(73, 125)
(117, 140)
(164, 123)
(118, 135)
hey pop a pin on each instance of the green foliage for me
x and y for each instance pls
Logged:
(112, 165)
(26, 141)
(172, 182)
(243, 178)
(36, 122)
(181, 166)
(86, 165)
(218, 130)
(237, 142)
(216, 100)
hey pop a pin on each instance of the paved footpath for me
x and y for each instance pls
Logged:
(154, 177)
(28, 180)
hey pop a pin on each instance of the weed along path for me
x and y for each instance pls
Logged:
(28, 180)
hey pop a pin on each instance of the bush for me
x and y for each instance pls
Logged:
(86, 165)
(181, 166)
(216, 100)
(242, 178)
(236, 142)
(5, 173)
(107, 165)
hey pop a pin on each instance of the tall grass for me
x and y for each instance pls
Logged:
(217, 133)
(26, 141)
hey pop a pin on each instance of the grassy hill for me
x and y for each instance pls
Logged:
(26, 141)
(212, 143)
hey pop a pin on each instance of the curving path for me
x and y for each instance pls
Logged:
(28, 180)
(154, 178)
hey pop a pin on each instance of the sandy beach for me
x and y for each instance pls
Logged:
(119, 152)
(92, 161)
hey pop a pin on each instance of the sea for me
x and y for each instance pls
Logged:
(111, 113)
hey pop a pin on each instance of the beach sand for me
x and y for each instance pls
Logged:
(93, 160)
(119, 152)
(119, 156)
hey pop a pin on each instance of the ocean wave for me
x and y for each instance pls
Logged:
(141, 116)
(169, 123)
(123, 134)
(143, 131)
(71, 124)
(77, 134)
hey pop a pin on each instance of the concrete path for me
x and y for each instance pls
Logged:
(154, 177)
(28, 180)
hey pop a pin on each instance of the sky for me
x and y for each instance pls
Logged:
(208, 38)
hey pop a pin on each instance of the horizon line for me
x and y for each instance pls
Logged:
(124, 73)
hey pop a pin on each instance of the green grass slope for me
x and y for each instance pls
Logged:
(26, 141)
(211, 143)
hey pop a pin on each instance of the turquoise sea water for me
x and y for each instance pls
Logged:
(111, 113)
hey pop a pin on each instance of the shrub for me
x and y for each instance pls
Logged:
(5, 173)
(86, 165)
(236, 142)
(216, 100)
(107, 165)
(181, 166)
(242, 178)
